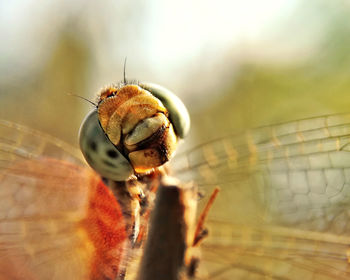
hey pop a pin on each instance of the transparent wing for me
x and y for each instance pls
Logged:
(272, 252)
(18, 142)
(53, 215)
(283, 210)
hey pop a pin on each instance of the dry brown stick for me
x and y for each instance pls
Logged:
(199, 235)
(171, 232)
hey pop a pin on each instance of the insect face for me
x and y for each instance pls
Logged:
(142, 122)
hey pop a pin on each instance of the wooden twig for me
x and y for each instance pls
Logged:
(200, 232)
(171, 233)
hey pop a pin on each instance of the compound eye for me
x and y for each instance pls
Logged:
(144, 122)
(100, 153)
(178, 113)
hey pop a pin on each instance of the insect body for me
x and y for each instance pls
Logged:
(283, 212)
(132, 132)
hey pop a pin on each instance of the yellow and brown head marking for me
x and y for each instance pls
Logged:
(137, 123)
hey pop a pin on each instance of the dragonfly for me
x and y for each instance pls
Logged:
(282, 212)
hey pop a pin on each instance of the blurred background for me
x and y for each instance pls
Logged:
(235, 64)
